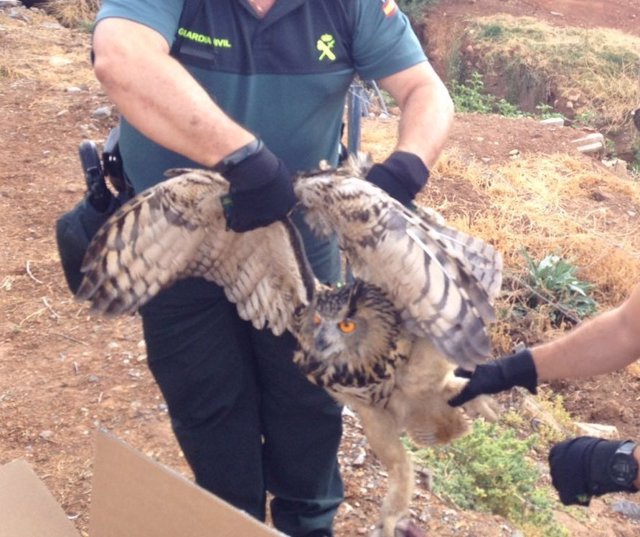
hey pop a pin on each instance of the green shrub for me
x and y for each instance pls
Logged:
(545, 111)
(472, 97)
(488, 470)
(492, 31)
(554, 283)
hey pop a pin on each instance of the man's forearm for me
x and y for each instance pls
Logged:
(159, 97)
(606, 343)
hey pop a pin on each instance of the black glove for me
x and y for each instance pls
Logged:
(580, 469)
(497, 376)
(401, 176)
(261, 187)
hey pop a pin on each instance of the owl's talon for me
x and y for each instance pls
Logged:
(406, 527)
(484, 406)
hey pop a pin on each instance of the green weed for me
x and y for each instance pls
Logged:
(553, 282)
(545, 111)
(489, 470)
(492, 31)
(472, 97)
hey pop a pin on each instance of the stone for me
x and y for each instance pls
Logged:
(598, 429)
(589, 138)
(591, 143)
(595, 147)
(553, 121)
(102, 113)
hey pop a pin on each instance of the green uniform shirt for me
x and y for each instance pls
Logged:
(283, 77)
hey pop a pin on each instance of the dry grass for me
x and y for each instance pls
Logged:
(65, 64)
(549, 206)
(559, 204)
(73, 13)
(597, 69)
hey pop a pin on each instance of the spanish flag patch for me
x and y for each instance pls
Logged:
(389, 7)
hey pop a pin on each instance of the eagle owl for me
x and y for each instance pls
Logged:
(417, 303)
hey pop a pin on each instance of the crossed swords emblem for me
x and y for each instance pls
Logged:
(325, 45)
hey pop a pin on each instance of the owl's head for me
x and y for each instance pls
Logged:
(351, 325)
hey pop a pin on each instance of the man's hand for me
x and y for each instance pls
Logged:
(261, 188)
(401, 176)
(497, 376)
(580, 469)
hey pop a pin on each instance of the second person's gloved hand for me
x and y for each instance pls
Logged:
(401, 176)
(497, 376)
(261, 187)
(581, 468)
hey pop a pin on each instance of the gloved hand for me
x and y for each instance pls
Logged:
(497, 376)
(401, 176)
(580, 469)
(261, 188)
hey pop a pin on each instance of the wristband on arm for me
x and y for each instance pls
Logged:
(260, 187)
(586, 466)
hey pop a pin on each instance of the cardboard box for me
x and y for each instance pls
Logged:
(132, 496)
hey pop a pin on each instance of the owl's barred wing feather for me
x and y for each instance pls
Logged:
(177, 229)
(142, 248)
(478, 256)
(441, 280)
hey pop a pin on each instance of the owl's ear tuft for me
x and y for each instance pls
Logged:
(356, 292)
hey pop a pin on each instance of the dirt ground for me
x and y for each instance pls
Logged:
(65, 373)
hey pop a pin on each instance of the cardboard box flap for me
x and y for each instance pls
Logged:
(135, 496)
(27, 508)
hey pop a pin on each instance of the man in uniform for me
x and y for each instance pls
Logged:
(255, 89)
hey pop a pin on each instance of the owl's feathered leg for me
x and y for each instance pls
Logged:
(383, 433)
(481, 406)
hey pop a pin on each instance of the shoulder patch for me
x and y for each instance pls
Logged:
(389, 7)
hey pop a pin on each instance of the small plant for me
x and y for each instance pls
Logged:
(488, 470)
(553, 282)
(472, 97)
(505, 108)
(492, 31)
(634, 168)
(586, 117)
(545, 111)
(553, 404)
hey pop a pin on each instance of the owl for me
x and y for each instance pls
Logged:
(417, 303)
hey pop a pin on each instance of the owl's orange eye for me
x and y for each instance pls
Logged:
(317, 319)
(347, 326)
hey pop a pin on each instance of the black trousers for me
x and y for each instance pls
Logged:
(245, 417)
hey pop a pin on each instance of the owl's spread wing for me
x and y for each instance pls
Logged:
(177, 229)
(442, 281)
